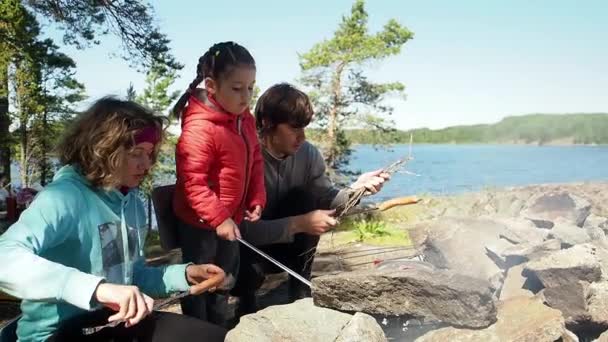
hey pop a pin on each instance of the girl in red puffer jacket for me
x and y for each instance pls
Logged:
(220, 175)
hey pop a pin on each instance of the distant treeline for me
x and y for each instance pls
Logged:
(526, 129)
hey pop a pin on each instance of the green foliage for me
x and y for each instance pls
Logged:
(366, 229)
(528, 129)
(44, 92)
(157, 97)
(130, 20)
(332, 72)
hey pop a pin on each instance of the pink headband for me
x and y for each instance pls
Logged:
(149, 134)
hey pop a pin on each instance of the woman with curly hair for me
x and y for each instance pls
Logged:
(75, 256)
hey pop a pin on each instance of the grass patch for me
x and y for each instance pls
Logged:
(373, 231)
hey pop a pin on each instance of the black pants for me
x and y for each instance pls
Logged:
(297, 255)
(203, 246)
(156, 327)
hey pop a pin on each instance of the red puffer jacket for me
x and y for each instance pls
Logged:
(220, 171)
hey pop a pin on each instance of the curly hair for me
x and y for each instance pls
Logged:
(97, 141)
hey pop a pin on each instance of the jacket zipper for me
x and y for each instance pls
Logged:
(240, 131)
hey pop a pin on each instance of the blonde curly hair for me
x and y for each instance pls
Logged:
(98, 140)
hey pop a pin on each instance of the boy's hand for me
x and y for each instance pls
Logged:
(254, 214)
(228, 230)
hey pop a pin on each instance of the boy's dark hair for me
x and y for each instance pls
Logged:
(219, 60)
(282, 103)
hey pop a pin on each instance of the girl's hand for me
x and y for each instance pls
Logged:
(254, 214)
(228, 230)
(131, 304)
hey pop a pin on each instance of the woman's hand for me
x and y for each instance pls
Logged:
(204, 277)
(131, 304)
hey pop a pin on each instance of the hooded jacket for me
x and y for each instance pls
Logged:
(72, 237)
(220, 171)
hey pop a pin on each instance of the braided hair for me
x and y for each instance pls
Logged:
(215, 63)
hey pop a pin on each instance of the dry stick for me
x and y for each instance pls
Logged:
(357, 194)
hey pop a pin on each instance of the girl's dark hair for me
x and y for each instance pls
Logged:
(282, 103)
(219, 60)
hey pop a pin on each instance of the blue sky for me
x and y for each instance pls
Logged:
(470, 61)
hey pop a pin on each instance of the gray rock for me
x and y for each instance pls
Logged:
(597, 303)
(521, 230)
(440, 295)
(568, 233)
(514, 284)
(570, 299)
(545, 208)
(361, 328)
(462, 245)
(596, 221)
(563, 267)
(520, 319)
(527, 252)
(299, 321)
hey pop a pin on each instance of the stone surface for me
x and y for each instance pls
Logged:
(361, 328)
(566, 266)
(433, 295)
(545, 208)
(299, 321)
(519, 320)
(570, 299)
(520, 230)
(528, 251)
(596, 221)
(514, 283)
(597, 303)
(462, 245)
(568, 233)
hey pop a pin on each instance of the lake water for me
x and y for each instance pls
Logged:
(449, 169)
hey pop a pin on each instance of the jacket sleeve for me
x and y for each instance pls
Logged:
(256, 194)
(195, 154)
(328, 196)
(45, 225)
(160, 281)
(267, 232)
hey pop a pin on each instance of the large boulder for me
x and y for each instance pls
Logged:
(566, 266)
(439, 295)
(597, 303)
(583, 305)
(570, 299)
(529, 251)
(302, 321)
(520, 230)
(514, 284)
(520, 319)
(596, 221)
(545, 208)
(468, 247)
(361, 328)
(568, 233)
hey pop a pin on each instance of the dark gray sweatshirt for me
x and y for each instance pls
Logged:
(305, 169)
